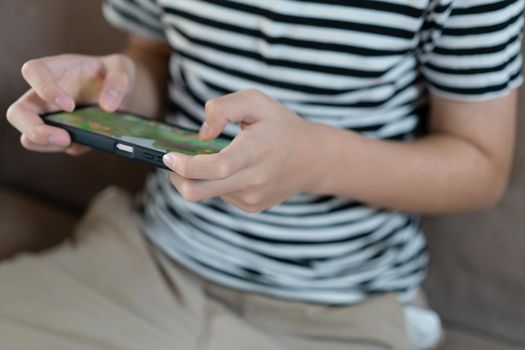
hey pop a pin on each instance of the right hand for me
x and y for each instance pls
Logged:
(59, 83)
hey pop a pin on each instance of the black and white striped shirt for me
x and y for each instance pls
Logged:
(364, 65)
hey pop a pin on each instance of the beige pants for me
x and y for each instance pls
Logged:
(110, 289)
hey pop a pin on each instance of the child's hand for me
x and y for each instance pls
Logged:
(269, 161)
(58, 83)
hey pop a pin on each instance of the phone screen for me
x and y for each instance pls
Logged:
(140, 131)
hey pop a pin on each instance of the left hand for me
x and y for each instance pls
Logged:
(269, 161)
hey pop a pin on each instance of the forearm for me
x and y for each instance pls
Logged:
(148, 95)
(435, 174)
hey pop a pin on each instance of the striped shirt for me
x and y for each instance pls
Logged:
(362, 65)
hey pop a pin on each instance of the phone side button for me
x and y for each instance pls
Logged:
(148, 155)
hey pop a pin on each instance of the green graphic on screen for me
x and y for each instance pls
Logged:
(139, 131)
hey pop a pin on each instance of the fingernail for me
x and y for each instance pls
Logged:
(205, 130)
(112, 94)
(58, 139)
(168, 160)
(64, 103)
(111, 99)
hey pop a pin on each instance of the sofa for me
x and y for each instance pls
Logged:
(476, 279)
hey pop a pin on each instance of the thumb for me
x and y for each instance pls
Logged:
(119, 76)
(44, 83)
(240, 107)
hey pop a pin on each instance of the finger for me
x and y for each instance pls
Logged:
(77, 150)
(119, 72)
(239, 107)
(197, 190)
(38, 75)
(24, 116)
(233, 201)
(36, 147)
(230, 160)
(72, 150)
(81, 76)
(63, 63)
(184, 186)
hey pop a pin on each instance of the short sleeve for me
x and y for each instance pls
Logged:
(141, 17)
(471, 49)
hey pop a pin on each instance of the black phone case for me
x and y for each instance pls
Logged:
(109, 144)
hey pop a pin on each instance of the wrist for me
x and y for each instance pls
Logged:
(331, 158)
(317, 159)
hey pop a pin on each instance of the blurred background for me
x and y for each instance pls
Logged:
(477, 272)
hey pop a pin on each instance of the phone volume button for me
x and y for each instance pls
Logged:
(148, 155)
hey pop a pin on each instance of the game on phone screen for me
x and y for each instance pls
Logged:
(140, 131)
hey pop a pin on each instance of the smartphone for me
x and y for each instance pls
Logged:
(129, 135)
